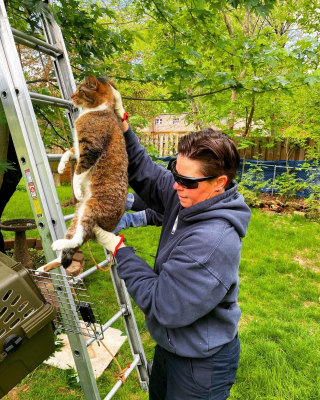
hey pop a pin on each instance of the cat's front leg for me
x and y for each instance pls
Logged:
(64, 160)
(78, 179)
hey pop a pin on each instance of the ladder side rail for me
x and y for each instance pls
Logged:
(62, 67)
(21, 109)
(131, 326)
(61, 64)
(18, 127)
(77, 342)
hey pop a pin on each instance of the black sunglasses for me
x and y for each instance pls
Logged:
(186, 182)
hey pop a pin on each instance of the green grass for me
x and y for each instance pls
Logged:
(279, 298)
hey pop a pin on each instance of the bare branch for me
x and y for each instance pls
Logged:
(227, 22)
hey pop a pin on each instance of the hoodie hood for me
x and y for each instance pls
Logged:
(229, 205)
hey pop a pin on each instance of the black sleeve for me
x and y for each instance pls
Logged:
(138, 204)
(153, 217)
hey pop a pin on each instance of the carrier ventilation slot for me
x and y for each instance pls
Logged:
(22, 306)
(14, 323)
(28, 313)
(5, 321)
(15, 300)
(3, 311)
(7, 295)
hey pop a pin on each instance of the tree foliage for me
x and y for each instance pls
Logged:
(248, 66)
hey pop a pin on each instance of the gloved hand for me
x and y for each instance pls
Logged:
(108, 239)
(118, 107)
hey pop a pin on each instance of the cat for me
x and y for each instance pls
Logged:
(100, 181)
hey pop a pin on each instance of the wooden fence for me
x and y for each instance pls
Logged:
(266, 149)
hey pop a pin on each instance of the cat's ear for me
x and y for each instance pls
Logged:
(91, 82)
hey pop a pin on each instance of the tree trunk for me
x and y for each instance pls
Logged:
(249, 121)
(246, 31)
(4, 139)
(234, 97)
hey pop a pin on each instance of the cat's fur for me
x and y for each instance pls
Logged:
(100, 181)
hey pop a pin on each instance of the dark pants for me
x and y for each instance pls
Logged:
(11, 179)
(181, 378)
(6, 191)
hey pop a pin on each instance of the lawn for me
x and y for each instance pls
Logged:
(279, 299)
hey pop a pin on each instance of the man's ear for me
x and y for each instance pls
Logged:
(91, 82)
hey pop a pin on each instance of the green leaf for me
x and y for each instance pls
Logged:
(192, 52)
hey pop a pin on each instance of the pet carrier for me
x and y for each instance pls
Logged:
(26, 327)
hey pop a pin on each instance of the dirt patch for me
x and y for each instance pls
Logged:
(306, 263)
(280, 205)
(244, 321)
(308, 304)
(14, 393)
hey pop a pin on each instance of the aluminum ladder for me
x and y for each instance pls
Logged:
(34, 164)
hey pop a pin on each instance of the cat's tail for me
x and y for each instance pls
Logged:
(67, 255)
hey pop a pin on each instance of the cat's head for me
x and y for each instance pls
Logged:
(93, 92)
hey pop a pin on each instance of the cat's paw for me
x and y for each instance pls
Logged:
(78, 193)
(61, 167)
(40, 270)
(60, 244)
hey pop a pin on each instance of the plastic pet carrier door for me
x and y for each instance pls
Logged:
(26, 327)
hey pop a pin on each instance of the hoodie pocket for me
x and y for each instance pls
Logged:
(169, 340)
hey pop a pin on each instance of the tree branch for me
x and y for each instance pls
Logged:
(182, 98)
(41, 80)
(228, 23)
(50, 123)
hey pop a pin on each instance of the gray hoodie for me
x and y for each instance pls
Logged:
(190, 298)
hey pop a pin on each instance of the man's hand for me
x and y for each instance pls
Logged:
(108, 240)
(118, 107)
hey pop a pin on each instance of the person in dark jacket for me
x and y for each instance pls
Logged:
(190, 297)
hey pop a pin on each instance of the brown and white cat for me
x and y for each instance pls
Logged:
(100, 182)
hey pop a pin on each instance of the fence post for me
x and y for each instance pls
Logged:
(165, 147)
(274, 177)
(161, 145)
(176, 143)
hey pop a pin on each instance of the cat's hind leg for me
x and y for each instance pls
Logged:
(74, 236)
(51, 265)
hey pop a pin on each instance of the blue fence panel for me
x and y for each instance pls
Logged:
(304, 173)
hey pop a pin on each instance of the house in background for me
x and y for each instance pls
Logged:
(169, 123)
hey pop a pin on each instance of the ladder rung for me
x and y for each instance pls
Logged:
(57, 157)
(91, 270)
(54, 157)
(43, 99)
(118, 385)
(107, 325)
(33, 42)
(68, 217)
